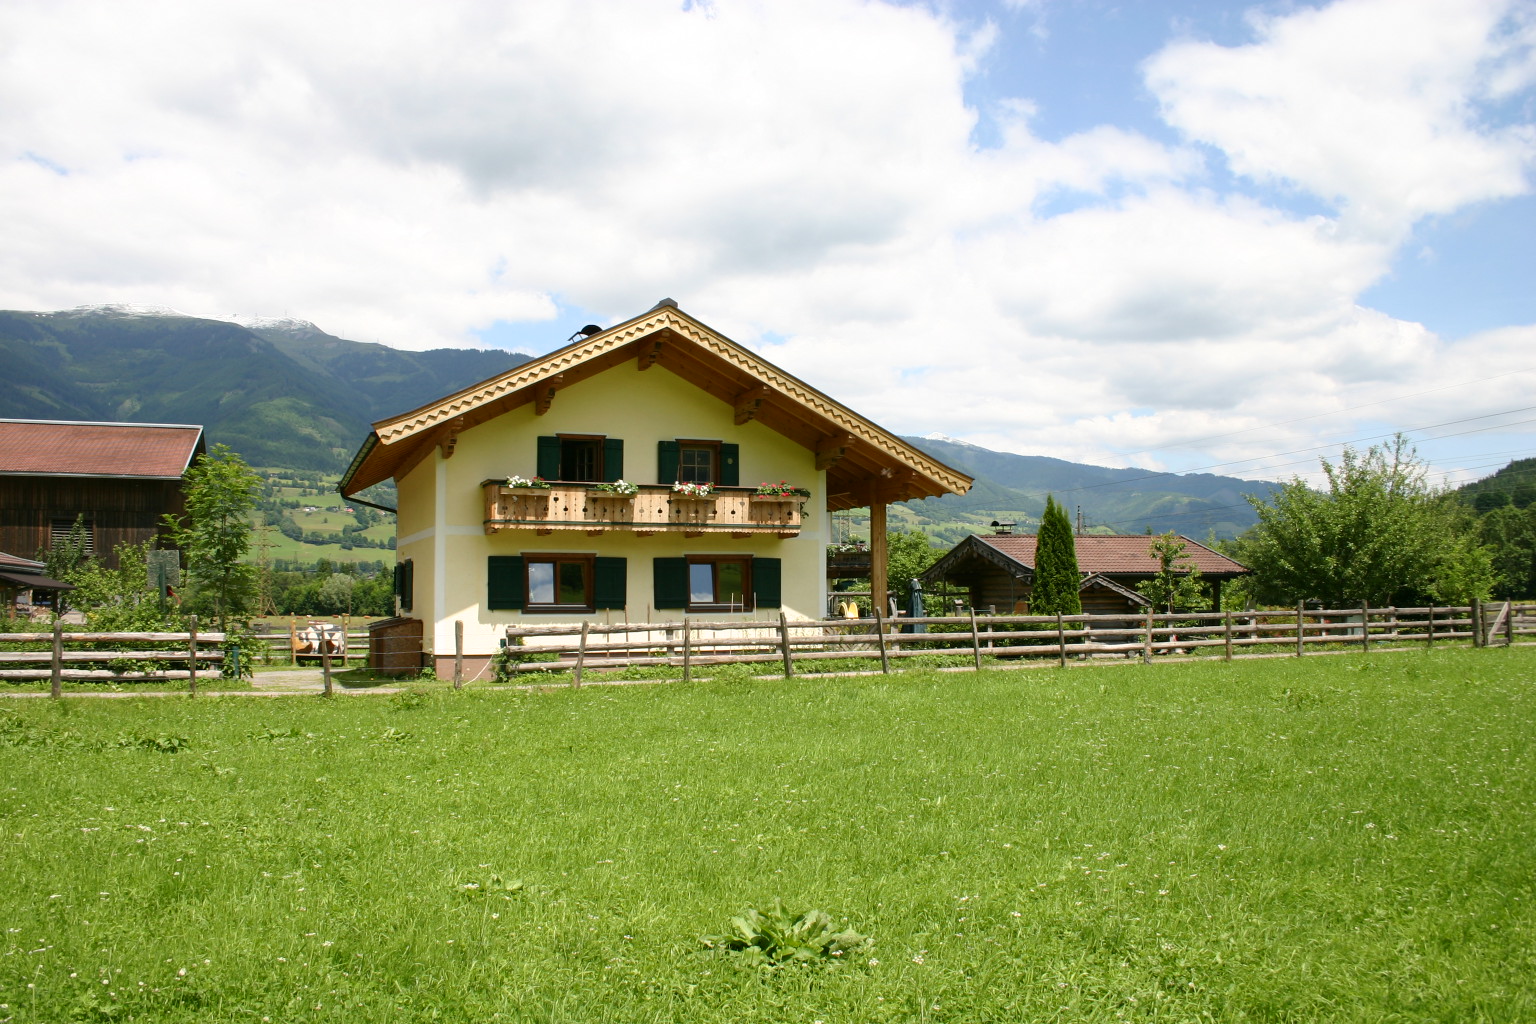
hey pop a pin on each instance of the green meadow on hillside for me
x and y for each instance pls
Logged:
(1344, 839)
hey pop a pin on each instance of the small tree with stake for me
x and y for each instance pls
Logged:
(1177, 585)
(215, 534)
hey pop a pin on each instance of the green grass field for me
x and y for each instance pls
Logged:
(1334, 839)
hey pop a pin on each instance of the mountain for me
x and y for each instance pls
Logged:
(1014, 487)
(285, 394)
(281, 392)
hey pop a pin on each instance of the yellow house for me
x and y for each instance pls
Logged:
(618, 479)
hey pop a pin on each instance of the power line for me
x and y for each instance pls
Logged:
(1337, 412)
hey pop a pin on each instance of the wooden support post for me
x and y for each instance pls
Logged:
(1477, 622)
(581, 655)
(1146, 640)
(687, 651)
(1061, 642)
(1226, 623)
(192, 649)
(458, 654)
(293, 642)
(1509, 623)
(885, 658)
(1429, 640)
(975, 640)
(56, 687)
(1365, 627)
(1301, 628)
(789, 664)
(879, 555)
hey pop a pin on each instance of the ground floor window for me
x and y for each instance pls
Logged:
(541, 581)
(717, 583)
(720, 583)
(558, 582)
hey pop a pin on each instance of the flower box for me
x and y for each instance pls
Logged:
(529, 492)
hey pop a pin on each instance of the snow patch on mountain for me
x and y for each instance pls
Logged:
(123, 309)
(936, 436)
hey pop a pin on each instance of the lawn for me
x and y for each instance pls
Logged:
(1342, 838)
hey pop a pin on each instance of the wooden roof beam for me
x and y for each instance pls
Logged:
(649, 352)
(748, 402)
(830, 451)
(544, 393)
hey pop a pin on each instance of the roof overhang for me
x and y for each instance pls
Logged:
(974, 549)
(864, 462)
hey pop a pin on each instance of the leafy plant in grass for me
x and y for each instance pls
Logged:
(774, 938)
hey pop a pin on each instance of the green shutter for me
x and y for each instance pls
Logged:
(613, 459)
(730, 465)
(667, 455)
(670, 578)
(767, 582)
(405, 583)
(549, 458)
(504, 582)
(610, 586)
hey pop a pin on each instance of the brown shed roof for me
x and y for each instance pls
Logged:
(160, 451)
(1117, 554)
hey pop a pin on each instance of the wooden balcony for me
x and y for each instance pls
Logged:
(735, 511)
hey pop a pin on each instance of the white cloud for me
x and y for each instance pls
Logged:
(799, 173)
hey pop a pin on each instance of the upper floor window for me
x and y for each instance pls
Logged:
(698, 462)
(581, 458)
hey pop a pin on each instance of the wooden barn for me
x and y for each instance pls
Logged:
(117, 479)
(999, 571)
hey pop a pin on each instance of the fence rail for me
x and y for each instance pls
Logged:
(201, 654)
(685, 644)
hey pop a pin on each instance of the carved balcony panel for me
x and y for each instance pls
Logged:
(654, 509)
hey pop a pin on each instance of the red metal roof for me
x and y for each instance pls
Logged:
(1116, 554)
(63, 448)
(14, 563)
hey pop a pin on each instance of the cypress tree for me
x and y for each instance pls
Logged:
(1056, 575)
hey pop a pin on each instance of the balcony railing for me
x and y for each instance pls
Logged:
(565, 507)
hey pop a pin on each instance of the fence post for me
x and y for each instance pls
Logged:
(1146, 639)
(581, 656)
(687, 651)
(1429, 640)
(975, 641)
(885, 658)
(1477, 622)
(789, 663)
(1509, 623)
(293, 642)
(458, 654)
(1301, 628)
(192, 650)
(1226, 623)
(1061, 643)
(57, 686)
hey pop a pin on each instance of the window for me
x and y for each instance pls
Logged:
(557, 583)
(581, 458)
(696, 461)
(720, 581)
(717, 582)
(548, 582)
(699, 462)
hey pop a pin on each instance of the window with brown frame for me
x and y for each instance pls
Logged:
(720, 583)
(698, 462)
(558, 583)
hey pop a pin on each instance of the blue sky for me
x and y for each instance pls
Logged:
(1172, 234)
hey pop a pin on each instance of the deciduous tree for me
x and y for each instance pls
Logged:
(215, 534)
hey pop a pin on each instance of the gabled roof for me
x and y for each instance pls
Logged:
(862, 459)
(1098, 581)
(154, 451)
(1107, 555)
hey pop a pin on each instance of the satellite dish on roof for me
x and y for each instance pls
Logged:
(585, 332)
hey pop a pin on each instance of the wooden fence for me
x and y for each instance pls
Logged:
(687, 644)
(113, 657)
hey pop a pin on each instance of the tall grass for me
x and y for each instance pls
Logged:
(1344, 838)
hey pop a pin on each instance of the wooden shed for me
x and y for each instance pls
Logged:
(117, 479)
(999, 571)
